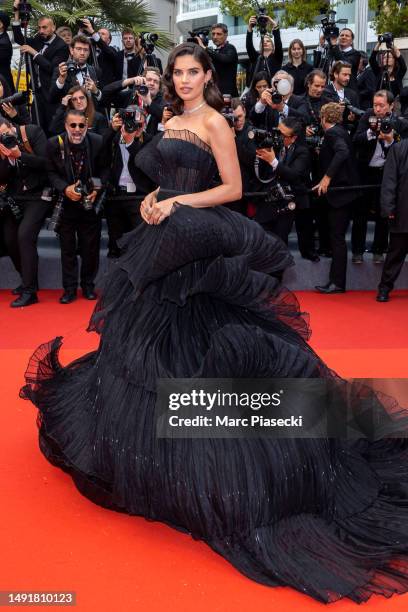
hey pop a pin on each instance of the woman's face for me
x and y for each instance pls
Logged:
(79, 101)
(260, 86)
(297, 52)
(189, 78)
(387, 59)
(268, 44)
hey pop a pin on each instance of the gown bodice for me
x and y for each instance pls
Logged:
(178, 160)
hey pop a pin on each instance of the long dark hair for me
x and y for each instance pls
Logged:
(212, 94)
(90, 106)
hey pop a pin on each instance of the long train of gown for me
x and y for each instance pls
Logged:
(193, 297)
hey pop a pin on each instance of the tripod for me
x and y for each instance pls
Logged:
(30, 78)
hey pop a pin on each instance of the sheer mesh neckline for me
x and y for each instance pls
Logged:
(188, 136)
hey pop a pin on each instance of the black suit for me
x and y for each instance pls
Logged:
(55, 53)
(6, 53)
(78, 226)
(56, 94)
(367, 86)
(351, 95)
(136, 64)
(337, 161)
(225, 60)
(394, 201)
(25, 184)
(123, 211)
(107, 62)
(351, 57)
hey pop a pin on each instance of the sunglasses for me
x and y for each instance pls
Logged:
(77, 125)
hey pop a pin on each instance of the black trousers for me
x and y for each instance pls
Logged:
(339, 219)
(305, 230)
(122, 215)
(281, 225)
(394, 260)
(79, 230)
(368, 205)
(21, 240)
(46, 111)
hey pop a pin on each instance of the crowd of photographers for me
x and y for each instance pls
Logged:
(312, 141)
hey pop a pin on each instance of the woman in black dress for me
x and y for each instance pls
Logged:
(193, 297)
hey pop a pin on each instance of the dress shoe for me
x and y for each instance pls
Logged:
(311, 256)
(89, 294)
(18, 290)
(68, 297)
(378, 258)
(25, 299)
(329, 288)
(357, 258)
(383, 295)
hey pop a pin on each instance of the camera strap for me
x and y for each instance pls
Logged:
(24, 139)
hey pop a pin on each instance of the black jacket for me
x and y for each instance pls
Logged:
(114, 160)
(270, 64)
(396, 85)
(394, 190)
(352, 57)
(57, 94)
(337, 161)
(246, 150)
(48, 61)
(270, 117)
(367, 86)
(29, 175)
(60, 170)
(351, 95)
(364, 147)
(299, 74)
(225, 62)
(309, 108)
(100, 123)
(107, 63)
(6, 53)
(135, 64)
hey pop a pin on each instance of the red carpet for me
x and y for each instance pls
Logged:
(52, 539)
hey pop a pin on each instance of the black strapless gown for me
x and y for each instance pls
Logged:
(193, 297)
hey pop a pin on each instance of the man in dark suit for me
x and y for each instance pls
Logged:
(344, 51)
(133, 59)
(291, 167)
(225, 59)
(77, 72)
(47, 51)
(366, 82)
(394, 207)
(338, 169)
(73, 160)
(24, 160)
(6, 50)
(103, 55)
(126, 181)
(338, 91)
(372, 146)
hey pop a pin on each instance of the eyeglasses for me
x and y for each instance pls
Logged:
(75, 125)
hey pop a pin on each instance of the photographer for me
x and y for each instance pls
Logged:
(22, 162)
(338, 91)
(6, 51)
(313, 100)
(270, 57)
(297, 66)
(292, 167)
(76, 71)
(224, 58)
(133, 59)
(17, 113)
(366, 82)
(47, 50)
(105, 56)
(274, 104)
(377, 131)
(79, 98)
(122, 142)
(65, 33)
(338, 169)
(344, 51)
(260, 82)
(75, 161)
(388, 65)
(394, 208)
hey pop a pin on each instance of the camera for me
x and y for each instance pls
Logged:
(9, 140)
(266, 140)
(148, 41)
(386, 38)
(8, 202)
(329, 27)
(16, 99)
(382, 124)
(281, 88)
(85, 189)
(143, 90)
(358, 112)
(281, 197)
(262, 21)
(201, 34)
(25, 11)
(132, 117)
(227, 111)
(71, 68)
(316, 139)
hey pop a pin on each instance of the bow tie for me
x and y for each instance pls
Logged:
(129, 55)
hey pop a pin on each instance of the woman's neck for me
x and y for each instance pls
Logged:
(190, 105)
(297, 62)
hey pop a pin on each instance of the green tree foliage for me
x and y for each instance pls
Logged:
(298, 13)
(112, 14)
(391, 16)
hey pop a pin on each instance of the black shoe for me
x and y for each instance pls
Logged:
(89, 294)
(18, 290)
(383, 295)
(312, 256)
(68, 296)
(329, 288)
(25, 299)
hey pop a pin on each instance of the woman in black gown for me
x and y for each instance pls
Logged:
(192, 296)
